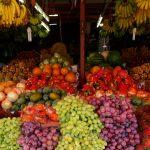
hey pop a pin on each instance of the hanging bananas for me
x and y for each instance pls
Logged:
(124, 23)
(108, 26)
(141, 16)
(124, 11)
(11, 13)
(143, 4)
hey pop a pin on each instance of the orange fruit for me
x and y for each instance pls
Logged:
(56, 66)
(70, 77)
(95, 69)
(56, 72)
(37, 71)
(47, 69)
(64, 70)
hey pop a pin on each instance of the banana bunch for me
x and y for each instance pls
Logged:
(108, 26)
(11, 13)
(142, 16)
(143, 4)
(124, 9)
(124, 23)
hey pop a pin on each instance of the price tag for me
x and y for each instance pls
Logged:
(29, 33)
(134, 33)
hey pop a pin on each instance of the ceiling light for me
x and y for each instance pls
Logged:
(45, 26)
(53, 24)
(53, 15)
(39, 9)
(99, 21)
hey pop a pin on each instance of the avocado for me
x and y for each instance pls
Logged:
(21, 100)
(35, 97)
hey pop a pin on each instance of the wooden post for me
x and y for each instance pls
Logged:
(82, 41)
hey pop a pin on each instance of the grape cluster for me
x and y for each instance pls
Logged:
(36, 137)
(80, 126)
(9, 133)
(120, 130)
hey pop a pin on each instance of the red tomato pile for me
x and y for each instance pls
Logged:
(39, 113)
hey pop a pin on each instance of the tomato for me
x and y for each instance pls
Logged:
(27, 118)
(40, 119)
(54, 117)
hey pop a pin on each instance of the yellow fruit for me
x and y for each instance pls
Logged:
(54, 96)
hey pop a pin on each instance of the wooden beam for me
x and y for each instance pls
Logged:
(82, 41)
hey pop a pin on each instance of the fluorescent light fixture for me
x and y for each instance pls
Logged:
(53, 15)
(40, 10)
(99, 21)
(22, 1)
(53, 24)
(45, 26)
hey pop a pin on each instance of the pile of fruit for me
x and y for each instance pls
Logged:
(36, 137)
(15, 14)
(55, 59)
(120, 124)
(110, 80)
(44, 96)
(79, 125)
(9, 133)
(39, 113)
(56, 75)
(141, 73)
(9, 93)
(134, 56)
(142, 113)
(17, 70)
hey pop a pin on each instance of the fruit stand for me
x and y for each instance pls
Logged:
(48, 103)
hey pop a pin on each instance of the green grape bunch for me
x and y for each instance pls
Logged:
(10, 131)
(80, 126)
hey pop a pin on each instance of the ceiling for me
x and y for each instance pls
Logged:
(70, 11)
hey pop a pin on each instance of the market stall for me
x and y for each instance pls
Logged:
(49, 103)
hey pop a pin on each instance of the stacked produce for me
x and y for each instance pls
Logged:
(17, 70)
(120, 124)
(39, 113)
(9, 93)
(141, 73)
(95, 59)
(15, 14)
(53, 74)
(36, 137)
(44, 96)
(134, 56)
(142, 113)
(9, 133)
(79, 127)
(108, 80)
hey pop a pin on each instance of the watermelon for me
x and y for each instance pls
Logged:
(95, 59)
(114, 58)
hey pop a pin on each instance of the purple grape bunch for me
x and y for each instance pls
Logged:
(120, 131)
(36, 137)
